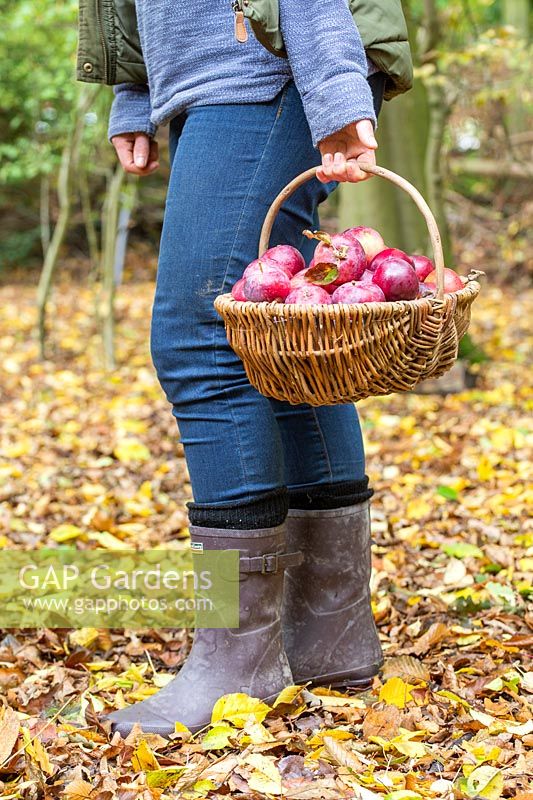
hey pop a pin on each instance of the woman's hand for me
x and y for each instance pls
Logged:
(342, 150)
(137, 153)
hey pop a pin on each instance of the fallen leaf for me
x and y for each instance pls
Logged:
(486, 782)
(395, 692)
(219, 737)
(382, 722)
(78, 789)
(407, 667)
(265, 776)
(341, 755)
(143, 759)
(236, 708)
(435, 634)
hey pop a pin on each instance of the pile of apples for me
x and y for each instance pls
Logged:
(349, 267)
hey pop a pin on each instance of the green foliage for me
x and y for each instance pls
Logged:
(471, 352)
(37, 49)
(17, 247)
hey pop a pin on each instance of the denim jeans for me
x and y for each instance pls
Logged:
(228, 162)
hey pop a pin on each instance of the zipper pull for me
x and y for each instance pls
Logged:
(241, 33)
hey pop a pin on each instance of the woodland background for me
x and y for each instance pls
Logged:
(89, 452)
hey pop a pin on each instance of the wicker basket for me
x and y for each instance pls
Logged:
(328, 354)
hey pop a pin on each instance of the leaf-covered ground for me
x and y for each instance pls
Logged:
(93, 459)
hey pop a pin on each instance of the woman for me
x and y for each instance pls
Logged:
(284, 485)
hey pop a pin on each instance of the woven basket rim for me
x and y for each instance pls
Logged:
(275, 308)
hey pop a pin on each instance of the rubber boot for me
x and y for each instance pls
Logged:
(328, 628)
(248, 659)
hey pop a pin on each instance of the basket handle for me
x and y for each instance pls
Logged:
(415, 195)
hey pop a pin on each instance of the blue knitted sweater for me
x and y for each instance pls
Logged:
(193, 59)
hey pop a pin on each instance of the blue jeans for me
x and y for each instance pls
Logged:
(228, 164)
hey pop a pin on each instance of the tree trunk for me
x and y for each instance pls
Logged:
(401, 135)
(516, 13)
(65, 192)
(439, 112)
(88, 221)
(44, 213)
(109, 242)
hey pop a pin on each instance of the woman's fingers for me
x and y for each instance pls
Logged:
(136, 152)
(333, 167)
(141, 151)
(365, 134)
(342, 150)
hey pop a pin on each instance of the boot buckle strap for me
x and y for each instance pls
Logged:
(270, 563)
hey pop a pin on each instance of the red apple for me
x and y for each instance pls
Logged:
(426, 289)
(268, 284)
(371, 240)
(452, 281)
(367, 276)
(287, 257)
(261, 264)
(423, 266)
(238, 289)
(345, 253)
(397, 279)
(358, 292)
(389, 252)
(302, 279)
(308, 296)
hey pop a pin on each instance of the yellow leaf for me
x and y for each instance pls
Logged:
(396, 692)
(63, 533)
(480, 716)
(287, 696)
(108, 541)
(131, 450)
(256, 733)
(202, 788)
(18, 449)
(418, 509)
(133, 426)
(143, 759)
(485, 470)
(485, 782)
(90, 491)
(237, 707)
(36, 752)
(166, 776)
(518, 730)
(453, 697)
(145, 490)
(219, 737)
(84, 637)
(265, 775)
(99, 666)
(334, 733)
(179, 727)
(481, 752)
(409, 748)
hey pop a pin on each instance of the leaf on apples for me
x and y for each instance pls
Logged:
(322, 274)
(321, 236)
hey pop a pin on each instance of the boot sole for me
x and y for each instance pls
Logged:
(361, 679)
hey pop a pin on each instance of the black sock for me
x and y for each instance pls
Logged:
(330, 495)
(266, 511)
